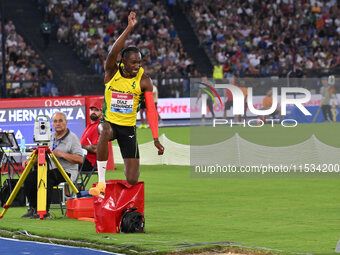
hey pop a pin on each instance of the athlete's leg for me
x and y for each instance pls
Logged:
(127, 142)
(131, 170)
(105, 135)
(329, 113)
(245, 110)
(143, 120)
(211, 108)
(279, 113)
(324, 112)
(225, 110)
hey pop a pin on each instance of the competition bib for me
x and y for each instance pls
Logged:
(121, 102)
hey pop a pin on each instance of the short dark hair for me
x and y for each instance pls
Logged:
(128, 50)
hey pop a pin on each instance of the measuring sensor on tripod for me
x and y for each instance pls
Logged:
(42, 130)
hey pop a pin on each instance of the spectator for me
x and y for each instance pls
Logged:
(94, 30)
(89, 139)
(21, 65)
(262, 38)
(218, 71)
(9, 27)
(62, 34)
(46, 29)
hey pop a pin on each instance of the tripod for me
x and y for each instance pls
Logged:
(7, 140)
(40, 155)
(9, 162)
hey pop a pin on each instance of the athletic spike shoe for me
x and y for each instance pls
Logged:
(99, 190)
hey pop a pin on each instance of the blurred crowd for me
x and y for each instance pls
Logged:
(26, 74)
(92, 26)
(269, 37)
(245, 37)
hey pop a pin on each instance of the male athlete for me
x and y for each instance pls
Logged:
(124, 85)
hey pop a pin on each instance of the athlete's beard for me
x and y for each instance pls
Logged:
(94, 117)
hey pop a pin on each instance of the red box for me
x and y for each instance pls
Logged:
(80, 207)
(118, 196)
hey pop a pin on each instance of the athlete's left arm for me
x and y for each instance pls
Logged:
(151, 112)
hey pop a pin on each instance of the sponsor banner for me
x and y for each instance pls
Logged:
(173, 108)
(18, 115)
(296, 114)
(179, 108)
(257, 102)
(42, 102)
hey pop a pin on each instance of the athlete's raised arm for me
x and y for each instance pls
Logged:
(110, 63)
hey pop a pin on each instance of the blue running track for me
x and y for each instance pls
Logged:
(16, 247)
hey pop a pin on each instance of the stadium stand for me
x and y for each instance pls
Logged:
(230, 32)
(26, 74)
(263, 38)
(91, 27)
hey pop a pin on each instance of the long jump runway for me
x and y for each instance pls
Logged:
(15, 247)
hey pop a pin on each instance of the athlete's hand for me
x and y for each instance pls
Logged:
(132, 19)
(159, 147)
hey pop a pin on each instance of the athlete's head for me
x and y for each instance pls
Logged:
(131, 59)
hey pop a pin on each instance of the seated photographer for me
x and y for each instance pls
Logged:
(67, 149)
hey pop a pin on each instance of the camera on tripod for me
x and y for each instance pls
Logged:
(42, 130)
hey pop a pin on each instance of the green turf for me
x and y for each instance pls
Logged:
(176, 134)
(267, 135)
(290, 215)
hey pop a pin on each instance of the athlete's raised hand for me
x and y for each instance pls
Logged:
(132, 19)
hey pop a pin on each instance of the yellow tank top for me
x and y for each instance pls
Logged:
(121, 99)
(218, 72)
